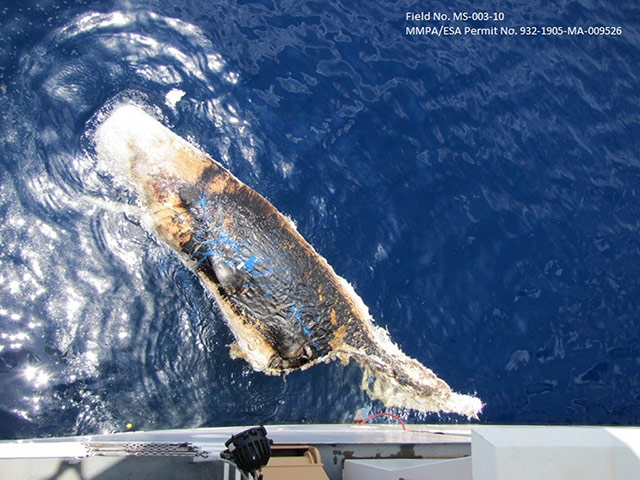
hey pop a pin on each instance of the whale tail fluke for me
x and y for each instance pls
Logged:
(397, 380)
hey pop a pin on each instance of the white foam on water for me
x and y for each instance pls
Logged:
(173, 97)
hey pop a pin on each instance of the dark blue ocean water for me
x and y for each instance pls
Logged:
(481, 193)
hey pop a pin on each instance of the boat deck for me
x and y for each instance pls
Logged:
(161, 455)
(346, 452)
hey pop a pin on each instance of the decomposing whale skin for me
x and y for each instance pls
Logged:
(283, 302)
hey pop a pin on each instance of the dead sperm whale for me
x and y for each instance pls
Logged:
(283, 302)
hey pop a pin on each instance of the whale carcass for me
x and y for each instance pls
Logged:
(284, 303)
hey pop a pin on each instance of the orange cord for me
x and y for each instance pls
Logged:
(384, 414)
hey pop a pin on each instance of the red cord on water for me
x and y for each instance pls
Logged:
(384, 414)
